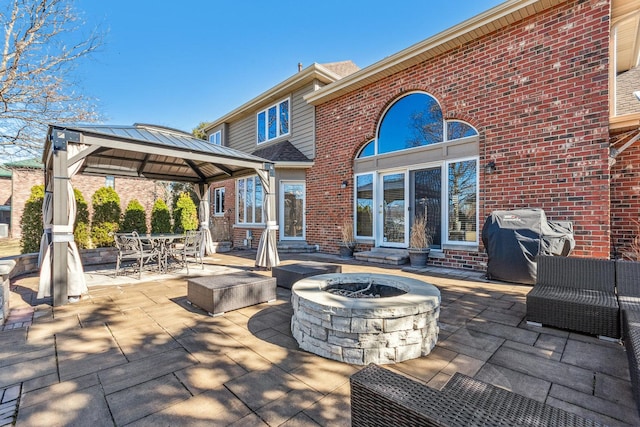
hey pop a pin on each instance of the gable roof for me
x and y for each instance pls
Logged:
(501, 16)
(324, 73)
(283, 151)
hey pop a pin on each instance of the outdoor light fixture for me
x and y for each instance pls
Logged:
(490, 167)
(637, 94)
(344, 184)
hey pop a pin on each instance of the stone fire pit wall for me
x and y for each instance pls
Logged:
(365, 330)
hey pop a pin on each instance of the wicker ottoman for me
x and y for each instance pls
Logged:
(287, 275)
(225, 292)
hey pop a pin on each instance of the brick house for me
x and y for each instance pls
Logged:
(23, 175)
(527, 105)
(277, 125)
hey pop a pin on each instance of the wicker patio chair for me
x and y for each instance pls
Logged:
(131, 248)
(576, 294)
(380, 397)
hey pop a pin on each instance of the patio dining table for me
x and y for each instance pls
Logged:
(163, 244)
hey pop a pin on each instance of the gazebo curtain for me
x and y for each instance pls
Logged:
(267, 255)
(76, 284)
(202, 191)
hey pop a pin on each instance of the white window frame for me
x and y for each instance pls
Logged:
(218, 201)
(266, 128)
(445, 200)
(216, 138)
(245, 220)
(110, 181)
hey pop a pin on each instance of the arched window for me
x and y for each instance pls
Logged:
(415, 120)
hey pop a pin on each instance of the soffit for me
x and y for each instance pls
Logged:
(625, 21)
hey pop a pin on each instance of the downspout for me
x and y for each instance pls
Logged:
(615, 152)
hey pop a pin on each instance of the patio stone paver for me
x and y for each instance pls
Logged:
(134, 352)
(608, 359)
(549, 370)
(517, 382)
(141, 370)
(218, 407)
(86, 407)
(149, 397)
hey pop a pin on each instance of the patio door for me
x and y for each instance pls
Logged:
(392, 219)
(292, 206)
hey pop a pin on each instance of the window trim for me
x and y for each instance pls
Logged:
(216, 138)
(445, 195)
(253, 222)
(374, 188)
(216, 208)
(265, 111)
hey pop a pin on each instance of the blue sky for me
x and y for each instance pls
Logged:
(180, 63)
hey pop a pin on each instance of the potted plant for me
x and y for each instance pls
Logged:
(348, 240)
(419, 242)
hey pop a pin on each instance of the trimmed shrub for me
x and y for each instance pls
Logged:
(160, 217)
(31, 221)
(185, 214)
(135, 218)
(106, 216)
(81, 232)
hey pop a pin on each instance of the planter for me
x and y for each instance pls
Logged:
(418, 257)
(346, 251)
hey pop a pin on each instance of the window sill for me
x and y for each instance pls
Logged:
(256, 225)
(473, 247)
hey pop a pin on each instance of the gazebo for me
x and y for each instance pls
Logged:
(143, 151)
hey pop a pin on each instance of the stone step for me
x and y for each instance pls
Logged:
(384, 256)
(296, 248)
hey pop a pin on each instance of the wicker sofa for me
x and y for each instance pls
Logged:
(628, 284)
(380, 397)
(577, 294)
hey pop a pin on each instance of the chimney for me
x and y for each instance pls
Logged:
(299, 66)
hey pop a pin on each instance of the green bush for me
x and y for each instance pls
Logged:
(135, 218)
(106, 216)
(31, 221)
(81, 232)
(185, 214)
(160, 217)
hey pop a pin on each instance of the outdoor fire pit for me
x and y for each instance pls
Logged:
(365, 318)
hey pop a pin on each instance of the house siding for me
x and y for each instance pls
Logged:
(537, 92)
(242, 133)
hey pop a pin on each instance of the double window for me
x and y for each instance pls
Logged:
(249, 200)
(273, 122)
(216, 138)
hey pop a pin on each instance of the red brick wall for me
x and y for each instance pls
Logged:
(625, 200)
(127, 188)
(538, 94)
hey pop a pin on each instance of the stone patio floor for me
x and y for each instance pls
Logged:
(136, 353)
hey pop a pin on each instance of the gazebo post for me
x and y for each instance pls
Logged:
(60, 234)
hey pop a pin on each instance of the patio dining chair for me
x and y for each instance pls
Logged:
(191, 249)
(131, 248)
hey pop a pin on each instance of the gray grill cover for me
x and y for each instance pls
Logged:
(514, 238)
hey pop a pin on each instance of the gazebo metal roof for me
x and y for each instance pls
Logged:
(154, 152)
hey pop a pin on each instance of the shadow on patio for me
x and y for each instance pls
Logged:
(137, 353)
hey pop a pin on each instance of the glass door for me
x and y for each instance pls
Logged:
(392, 230)
(292, 205)
(426, 185)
